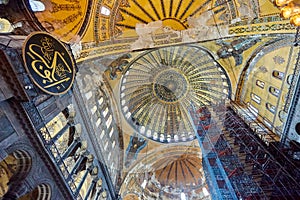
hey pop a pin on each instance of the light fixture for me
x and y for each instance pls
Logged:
(290, 9)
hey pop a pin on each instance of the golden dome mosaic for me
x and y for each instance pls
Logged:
(161, 87)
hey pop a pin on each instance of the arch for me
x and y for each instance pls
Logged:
(274, 91)
(297, 128)
(23, 164)
(41, 192)
(271, 107)
(256, 55)
(36, 6)
(263, 75)
(277, 74)
(260, 84)
(61, 132)
(108, 118)
(95, 189)
(47, 17)
(14, 169)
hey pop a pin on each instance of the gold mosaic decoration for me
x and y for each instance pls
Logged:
(161, 87)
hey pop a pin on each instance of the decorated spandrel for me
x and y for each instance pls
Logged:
(48, 63)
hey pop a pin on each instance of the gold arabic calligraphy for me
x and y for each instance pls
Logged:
(51, 65)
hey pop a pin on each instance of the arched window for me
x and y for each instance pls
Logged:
(270, 107)
(282, 116)
(297, 128)
(278, 74)
(98, 122)
(108, 122)
(290, 79)
(102, 134)
(111, 132)
(41, 192)
(36, 6)
(267, 123)
(105, 11)
(100, 101)
(97, 188)
(94, 109)
(252, 109)
(105, 112)
(88, 95)
(83, 176)
(13, 169)
(255, 98)
(260, 84)
(274, 91)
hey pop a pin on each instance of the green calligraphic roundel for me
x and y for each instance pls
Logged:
(48, 63)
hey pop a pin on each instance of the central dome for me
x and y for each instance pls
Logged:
(161, 88)
(170, 85)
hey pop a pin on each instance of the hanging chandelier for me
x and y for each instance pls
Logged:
(290, 9)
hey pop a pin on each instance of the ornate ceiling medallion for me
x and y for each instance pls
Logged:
(161, 87)
(170, 85)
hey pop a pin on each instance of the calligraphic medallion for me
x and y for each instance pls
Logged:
(48, 63)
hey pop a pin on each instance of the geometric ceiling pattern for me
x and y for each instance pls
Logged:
(161, 87)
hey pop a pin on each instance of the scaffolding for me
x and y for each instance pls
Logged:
(237, 163)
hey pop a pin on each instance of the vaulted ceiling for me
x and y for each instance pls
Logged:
(158, 86)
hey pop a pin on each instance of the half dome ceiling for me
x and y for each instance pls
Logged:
(161, 87)
(173, 13)
(66, 19)
(168, 173)
(180, 171)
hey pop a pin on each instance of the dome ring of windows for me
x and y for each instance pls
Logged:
(160, 89)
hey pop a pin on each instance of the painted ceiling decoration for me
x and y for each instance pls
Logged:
(122, 26)
(124, 15)
(66, 19)
(236, 48)
(135, 145)
(160, 87)
(174, 13)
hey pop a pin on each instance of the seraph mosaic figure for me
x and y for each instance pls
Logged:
(236, 48)
(136, 144)
(117, 65)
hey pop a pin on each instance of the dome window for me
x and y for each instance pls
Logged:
(274, 91)
(260, 84)
(270, 107)
(105, 11)
(255, 98)
(36, 6)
